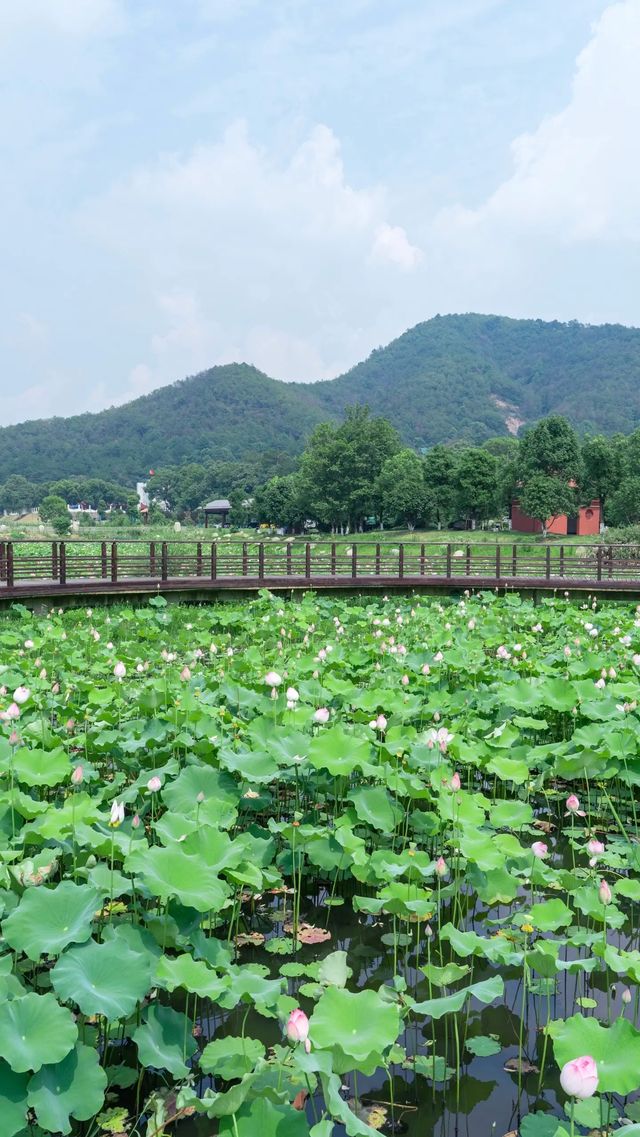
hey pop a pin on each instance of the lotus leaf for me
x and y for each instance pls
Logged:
(165, 1041)
(103, 979)
(47, 919)
(34, 1029)
(73, 1087)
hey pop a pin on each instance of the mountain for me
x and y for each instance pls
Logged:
(453, 377)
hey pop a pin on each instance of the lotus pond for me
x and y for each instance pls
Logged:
(324, 867)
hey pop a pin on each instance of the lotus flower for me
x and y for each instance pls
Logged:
(119, 670)
(455, 782)
(292, 695)
(540, 850)
(573, 806)
(322, 715)
(604, 892)
(272, 679)
(154, 784)
(117, 814)
(185, 674)
(298, 1028)
(77, 776)
(441, 867)
(12, 712)
(595, 849)
(579, 1078)
(21, 694)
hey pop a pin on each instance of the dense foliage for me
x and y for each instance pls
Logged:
(252, 854)
(450, 378)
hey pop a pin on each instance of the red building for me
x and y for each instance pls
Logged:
(585, 523)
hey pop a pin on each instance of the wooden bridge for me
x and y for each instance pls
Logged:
(32, 569)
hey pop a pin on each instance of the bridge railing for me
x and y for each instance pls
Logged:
(63, 562)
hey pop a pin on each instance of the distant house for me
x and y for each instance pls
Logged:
(219, 509)
(584, 523)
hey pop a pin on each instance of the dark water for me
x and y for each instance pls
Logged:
(487, 1100)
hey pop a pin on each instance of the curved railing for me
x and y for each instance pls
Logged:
(49, 567)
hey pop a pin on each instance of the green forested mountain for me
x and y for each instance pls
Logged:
(465, 377)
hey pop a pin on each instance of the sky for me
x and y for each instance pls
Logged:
(292, 183)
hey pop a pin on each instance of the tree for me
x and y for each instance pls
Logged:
(53, 509)
(477, 484)
(624, 503)
(551, 448)
(18, 494)
(400, 490)
(340, 465)
(279, 502)
(602, 460)
(543, 498)
(440, 473)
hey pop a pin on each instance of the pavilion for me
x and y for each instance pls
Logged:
(220, 508)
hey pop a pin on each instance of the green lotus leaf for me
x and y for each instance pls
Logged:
(103, 979)
(541, 1125)
(340, 1110)
(194, 975)
(35, 1029)
(221, 795)
(338, 752)
(41, 767)
(252, 765)
(483, 1045)
(165, 1041)
(375, 806)
(485, 991)
(262, 1117)
(74, 1087)
(230, 1058)
(13, 1100)
(360, 1023)
(172, 872)
(333, 970)
(550, 915)
(47, 919)
(616, 1050)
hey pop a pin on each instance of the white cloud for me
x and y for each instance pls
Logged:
(76, 18)
(250, 255)
(577, 177)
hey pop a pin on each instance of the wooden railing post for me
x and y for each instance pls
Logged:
(498, 563)
(103, 560)
(422, 550)
(599, 563)
(261, 561)
(289, 569)
(561, 565)
(514, 561)
(10, 568)
(547, 567)
(354, 560)
(199, 559)
(54, 560)
(165, 561)
(62, 552)
(400, 561)
(333, 558)
(214, 560)
(3, 559)
(152, 558)
(307, 561)
(245, 558)
(448, 567)
(114, 562)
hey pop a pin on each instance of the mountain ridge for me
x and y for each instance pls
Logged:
(455, 377)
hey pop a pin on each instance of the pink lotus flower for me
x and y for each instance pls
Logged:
(154, 784)
(573, 806)
(185, 674)
(425, 669)
(322, 715)
(135, 821)
(455, 782)
(272, 679)
(579, 1078)
(595, 849)
(21, 694)
(441, 867)
(119, 670)
(540, 850)
(405, 680)
(604, 892)
(626, 996)
(77, 776)
(12, 712)
(298, 1028)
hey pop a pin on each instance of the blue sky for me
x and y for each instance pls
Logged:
(294, 182)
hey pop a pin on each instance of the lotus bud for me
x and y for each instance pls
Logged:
(455, 782)
(540, 850)
(135, 821)
(200, 798)
(21, 694)
(441, 867)
(154, 784)
(322, 715)
(405, 680)
(185, 674)
(119, 670)
(626, 996)
(298, 1028)
(14, 738)
(604, 892)
(579, 1078)
(272, 679)
(77, 776)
